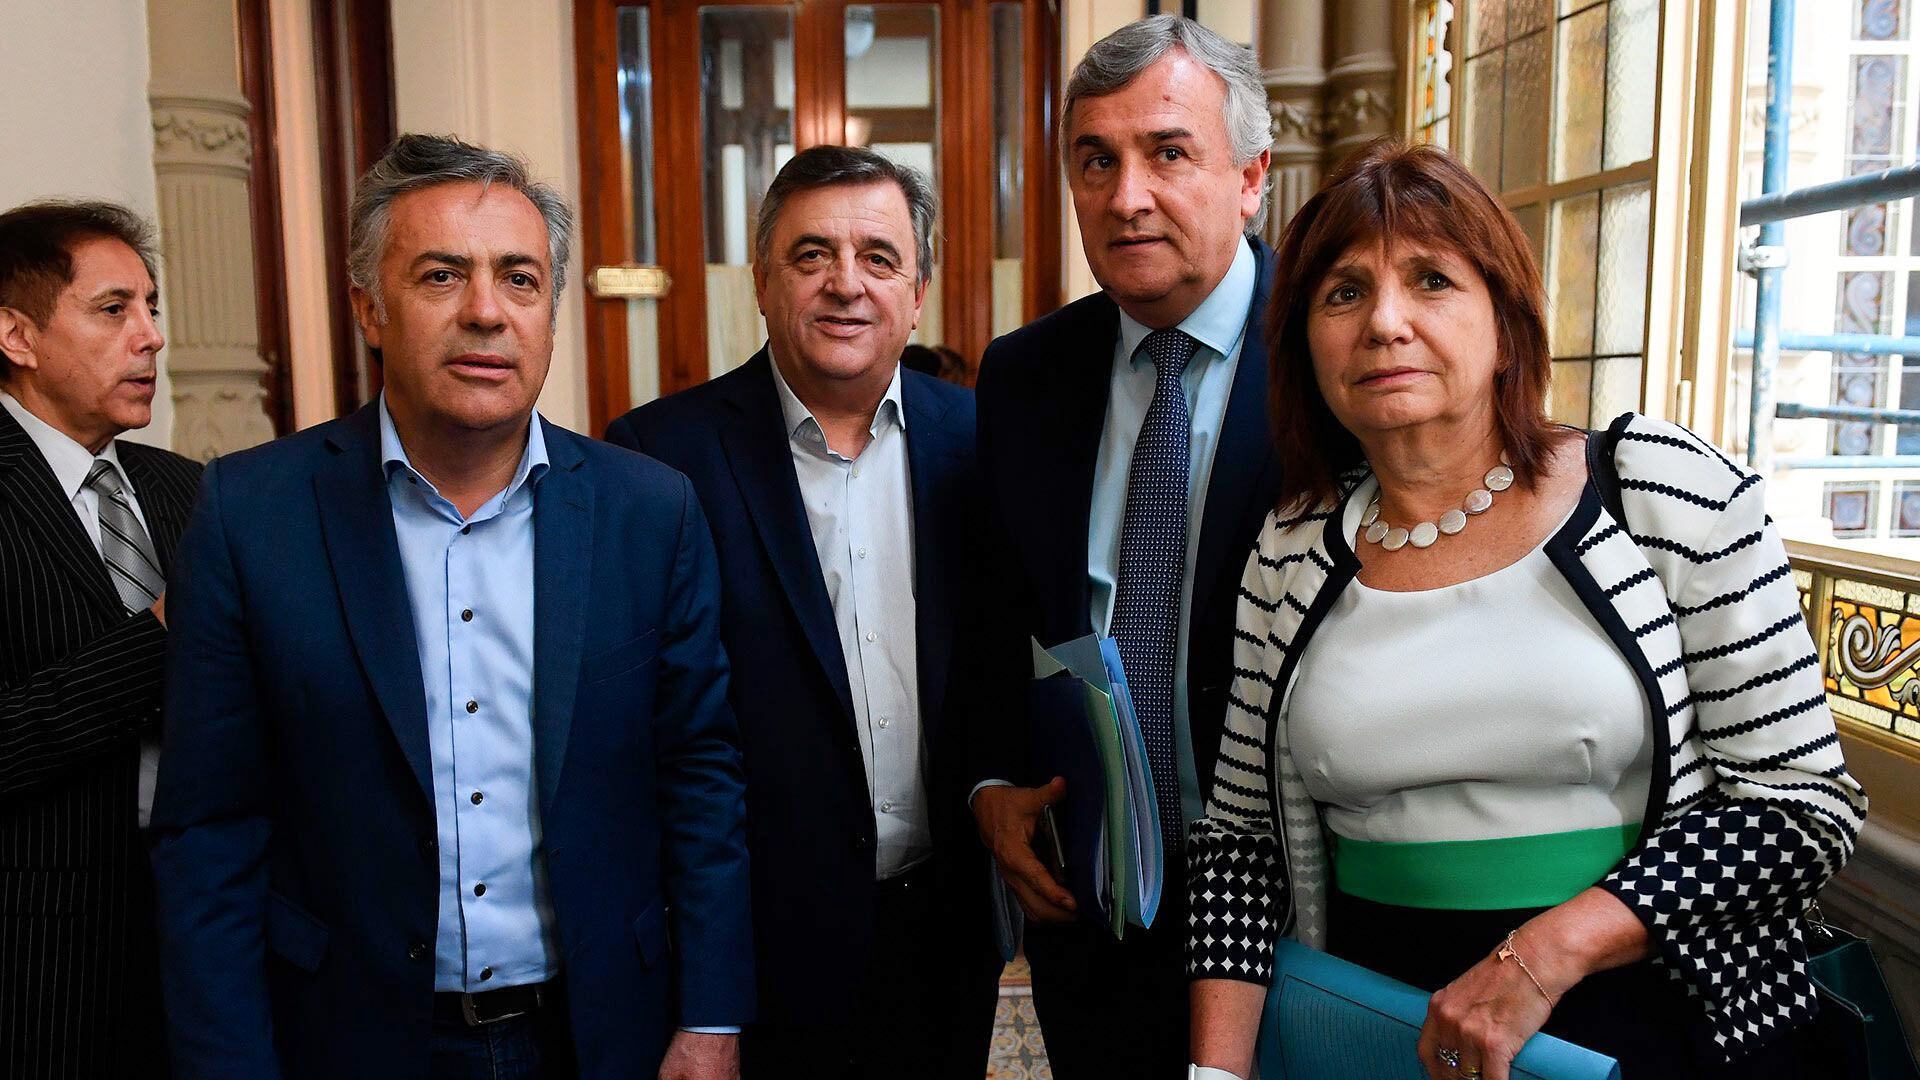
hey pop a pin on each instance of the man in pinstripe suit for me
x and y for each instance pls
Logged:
(87, 525)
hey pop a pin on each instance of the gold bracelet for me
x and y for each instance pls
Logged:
(1507, 952)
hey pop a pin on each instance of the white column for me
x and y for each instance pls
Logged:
(201, 154)
(1361, 84)
(1292, 45)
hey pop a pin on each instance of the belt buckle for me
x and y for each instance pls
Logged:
(475, 1020)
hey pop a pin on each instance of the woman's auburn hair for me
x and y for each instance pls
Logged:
(1389, 192)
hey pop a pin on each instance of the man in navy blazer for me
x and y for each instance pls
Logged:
(842, 492)
(452, 787)
(1123, 441)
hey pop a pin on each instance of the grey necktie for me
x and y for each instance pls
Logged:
(123, 543)
(136, 575)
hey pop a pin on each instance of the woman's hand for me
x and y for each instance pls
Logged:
(1477, 1023)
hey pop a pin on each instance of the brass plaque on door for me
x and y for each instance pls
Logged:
(628, 282)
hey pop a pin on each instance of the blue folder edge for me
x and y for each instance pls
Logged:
(1299, 968)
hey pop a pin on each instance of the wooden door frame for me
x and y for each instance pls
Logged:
(353, 66)
(255, 24)
(820, 115)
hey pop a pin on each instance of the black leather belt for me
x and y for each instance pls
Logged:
(491, 1006)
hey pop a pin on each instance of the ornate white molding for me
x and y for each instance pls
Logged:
(1297, 124)
(1358, 110)
(201, 134)
(217, 412)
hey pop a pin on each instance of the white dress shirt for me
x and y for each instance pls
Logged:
(861, 513)
(71, 463)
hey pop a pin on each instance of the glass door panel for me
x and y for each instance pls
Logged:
(635, 91)
(746, 113)
(689, 107)
(1009, 167)
(893, 105)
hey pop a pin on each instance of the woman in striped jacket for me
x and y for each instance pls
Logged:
(1537, 706)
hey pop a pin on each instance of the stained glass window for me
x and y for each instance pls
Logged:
(1852, 507)
(1432, 72)
(1577, 172)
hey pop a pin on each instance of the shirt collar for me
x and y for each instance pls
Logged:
(69, 461)
(801, 423)
(393, 456)
(1220, 320)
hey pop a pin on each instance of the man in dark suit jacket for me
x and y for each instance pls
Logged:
(88, 525)
(452, 786)
(842, 491)
(1124, 445)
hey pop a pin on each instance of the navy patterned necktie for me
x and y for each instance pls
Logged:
(1153, 560)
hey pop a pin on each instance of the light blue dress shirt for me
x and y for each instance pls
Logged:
(860, 511)
(1218, 324)
(470, 585)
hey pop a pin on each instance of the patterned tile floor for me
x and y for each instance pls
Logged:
(1017, 1052)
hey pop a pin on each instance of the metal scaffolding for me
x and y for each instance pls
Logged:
(1766, 260)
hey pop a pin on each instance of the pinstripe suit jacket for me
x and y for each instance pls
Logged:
(79, 681)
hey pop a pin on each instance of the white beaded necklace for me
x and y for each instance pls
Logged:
(1393, 538)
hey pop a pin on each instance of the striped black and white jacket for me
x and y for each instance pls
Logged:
(1755, 809)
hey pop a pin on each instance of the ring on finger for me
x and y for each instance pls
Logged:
(1468, 1072)
(1450, 1058)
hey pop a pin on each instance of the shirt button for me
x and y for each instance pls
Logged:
(886, 807)
(476, 798)
(884, 721)
(467, 615)
(473, 706)
(480, 889)
(417, 951)
(856, 472)
(486, 973)
(862, 553)
(871, 636)
(465, 529)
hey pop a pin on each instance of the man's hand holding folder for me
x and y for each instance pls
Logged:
(1009, 818)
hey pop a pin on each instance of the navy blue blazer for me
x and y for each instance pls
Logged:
(294, 852)
(810, 819)
(1043, 402)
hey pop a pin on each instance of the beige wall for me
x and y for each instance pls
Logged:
(73, 76)
(302, 213)
(500, 73)
(1082, 22)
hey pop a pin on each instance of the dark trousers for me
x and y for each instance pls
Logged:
(1113, 1010)
(536, 1046)
(925, 1006)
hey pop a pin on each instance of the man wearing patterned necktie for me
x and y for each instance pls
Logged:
(1124, 447)
(87, 525)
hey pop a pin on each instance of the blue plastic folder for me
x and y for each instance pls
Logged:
(1084, 729)
(1327, 1019)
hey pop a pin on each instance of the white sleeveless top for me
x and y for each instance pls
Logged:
(1493, 708)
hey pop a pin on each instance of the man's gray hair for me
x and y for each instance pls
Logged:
(1117, 59)
(829, 166)
(422, 161)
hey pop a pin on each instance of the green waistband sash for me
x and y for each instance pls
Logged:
(1480, 875)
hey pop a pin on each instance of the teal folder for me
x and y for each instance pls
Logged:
(1327, 1019)
(1127, 832)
